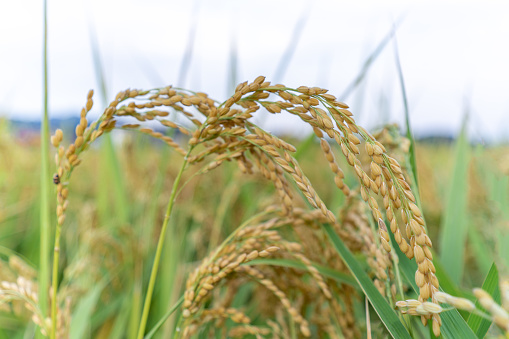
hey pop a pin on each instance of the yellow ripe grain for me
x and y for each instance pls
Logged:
(385, 245)
(259, 80)
(378, 159)
(461, 303)
(377, 150)
(89, 105)
(369, 149)
(358, 171)
(419, 254)
(416, 228)
(432, 307)
(375, 169)
(415, 210)
(436, 326)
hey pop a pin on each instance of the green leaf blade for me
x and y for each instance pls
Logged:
(453, 324)
(82, 316)
(454, 230)
(380, 305)
(478, 324)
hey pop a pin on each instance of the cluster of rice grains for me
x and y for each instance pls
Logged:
(278, 290)
(223, 132)
(499, 314)
(19, 295)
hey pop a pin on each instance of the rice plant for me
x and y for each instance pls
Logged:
(240, 233)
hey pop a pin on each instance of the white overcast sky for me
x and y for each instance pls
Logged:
(454, 54)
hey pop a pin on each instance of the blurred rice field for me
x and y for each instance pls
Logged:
(116, 209)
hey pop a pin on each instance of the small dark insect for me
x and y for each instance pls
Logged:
(56, 179)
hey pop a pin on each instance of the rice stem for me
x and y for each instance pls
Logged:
(157, 258)
(45, 183)
(54, 289)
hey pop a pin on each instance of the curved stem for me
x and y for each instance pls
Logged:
(159, 250)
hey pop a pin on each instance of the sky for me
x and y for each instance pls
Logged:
(453, 55)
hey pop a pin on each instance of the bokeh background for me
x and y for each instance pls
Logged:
(453, 55)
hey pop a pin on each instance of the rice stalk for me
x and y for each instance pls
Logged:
(45, 220)
(157, 258)
(224, 133)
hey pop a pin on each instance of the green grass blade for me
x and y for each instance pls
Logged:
(446, 283)
(164, 318)
(367, 64)
(478, 324)
(380, 305)
(45, 220)
(109, 158)
(482, 253)
(112, 166)
(290, 49)
(499, 196)
(453, 325)
(136, 304)
(112, 181)
(409, 135)
(110, 309)
(233, 66)
(83, 313)
(497, 185)
(325, 271)
(229, 194)
(121, 323)
(454, 230)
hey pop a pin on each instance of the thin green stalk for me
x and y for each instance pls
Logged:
(228, 194)
(163, 319)
(45, 183)
(289, 52)
(413, 161)
(177, 333)
(56, 257)
(368, 62)
(157, 258)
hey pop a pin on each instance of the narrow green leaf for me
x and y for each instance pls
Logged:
(164, 318)
(500, 198)
(380, 305)
(446, 283)
(368, 62)
(454, 230)
(325, 271)
(497, 185)
(109, 161)
(233, 69)
(478, 324)
(482, 253)
(453, 325)
(121, 322)
(289, 52)
(409, 135)
(109, 310)
(82, 315)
